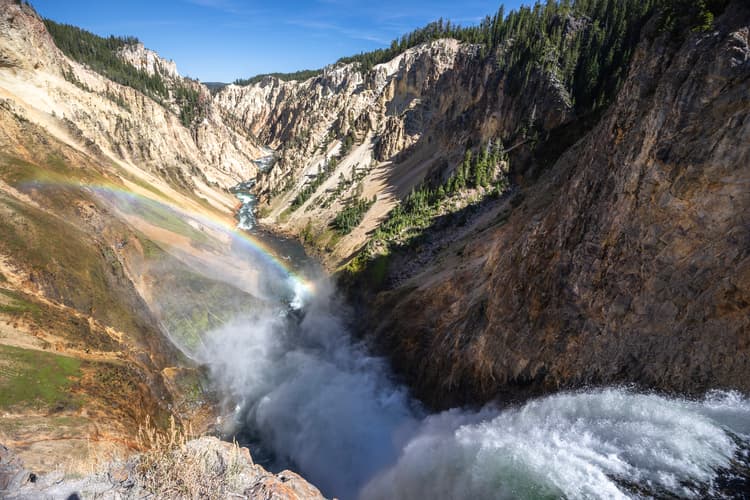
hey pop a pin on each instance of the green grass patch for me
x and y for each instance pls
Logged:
(54, 170)
(67, 263)
(190, 384)
(284, 216)
(42, 424)
(15, 304)
(192, 305)
(151, 250)
(329, 239)
(36, 378)
(264, 212)
(145, 185)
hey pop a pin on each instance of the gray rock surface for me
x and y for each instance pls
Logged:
(210, 468)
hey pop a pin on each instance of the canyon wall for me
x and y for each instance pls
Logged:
(626, 262)
(617, 254)
(118, 123)
(91, 249)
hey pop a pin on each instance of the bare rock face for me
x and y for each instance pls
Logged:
(626, 262)
(207, 468)
(149, 61)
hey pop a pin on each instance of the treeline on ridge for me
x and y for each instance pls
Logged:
(101, 55)
(301, 75)
(585, 44)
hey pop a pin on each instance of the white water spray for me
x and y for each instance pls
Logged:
(318, 400)
(610, 443)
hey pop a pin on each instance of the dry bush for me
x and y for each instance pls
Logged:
(170, 468)
(96, 459)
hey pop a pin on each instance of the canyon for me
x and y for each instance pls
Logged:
(599, 273)
(585, 272)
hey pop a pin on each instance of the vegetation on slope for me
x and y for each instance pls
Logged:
(301, 75)
(307, 191)
(352, 214)
(585, 45)
(588, 58)
(36, 378)
(478, 176)
(82, 274)
(478, 172)
(679, 16)
(189, 101)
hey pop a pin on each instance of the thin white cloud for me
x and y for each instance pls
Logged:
(228, 6)
(341, 30)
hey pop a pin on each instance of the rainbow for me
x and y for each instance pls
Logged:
(117, 194)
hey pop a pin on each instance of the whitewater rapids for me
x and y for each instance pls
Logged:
(321, 404)
(605, 443)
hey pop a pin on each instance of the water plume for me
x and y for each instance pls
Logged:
(317, 399)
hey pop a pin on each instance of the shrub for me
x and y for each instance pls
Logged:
(351, 216)
(174, 467)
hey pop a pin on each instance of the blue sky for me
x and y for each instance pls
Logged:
(220, 40)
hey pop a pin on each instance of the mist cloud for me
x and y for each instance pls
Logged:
(320, 401)
(314, 397)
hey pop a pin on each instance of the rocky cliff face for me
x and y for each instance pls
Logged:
(626, 262)
(149, 61)
(117, 122)
(406, 120)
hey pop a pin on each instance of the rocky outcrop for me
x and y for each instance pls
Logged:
(209, 468)
(138, 56)
(626, 262)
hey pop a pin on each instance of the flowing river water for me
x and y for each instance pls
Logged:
(312, 398)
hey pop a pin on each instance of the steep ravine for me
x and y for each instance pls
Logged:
(407, 120)
(512, 325)
(626, 262)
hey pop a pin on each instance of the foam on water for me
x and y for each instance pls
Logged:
(315, 399)
(605, 443)
(246, 213)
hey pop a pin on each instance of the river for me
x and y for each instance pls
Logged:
(312, 398)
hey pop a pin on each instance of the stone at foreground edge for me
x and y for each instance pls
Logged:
(233, 465)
